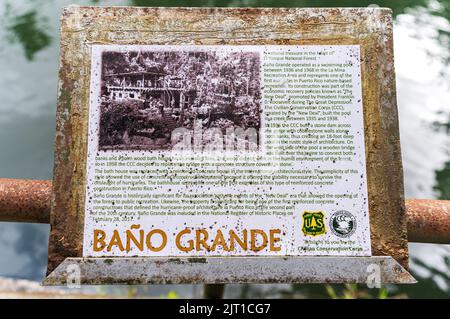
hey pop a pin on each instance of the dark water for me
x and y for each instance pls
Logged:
(28, 80)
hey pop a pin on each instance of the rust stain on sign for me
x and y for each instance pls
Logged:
(370, 28)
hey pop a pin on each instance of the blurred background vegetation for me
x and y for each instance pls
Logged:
(29, 42)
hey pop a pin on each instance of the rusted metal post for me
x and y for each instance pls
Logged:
(23, 200)
(29, 201)
(213, 291)
(428, 221)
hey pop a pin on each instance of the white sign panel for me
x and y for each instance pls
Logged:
(226, 150)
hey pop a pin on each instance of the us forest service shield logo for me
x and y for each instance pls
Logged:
(313, 223)
(343, 223)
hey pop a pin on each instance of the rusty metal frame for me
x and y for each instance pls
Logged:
(370, 28)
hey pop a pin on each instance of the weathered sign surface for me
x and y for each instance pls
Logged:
(227, 132)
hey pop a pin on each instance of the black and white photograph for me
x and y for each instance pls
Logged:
(146, 95)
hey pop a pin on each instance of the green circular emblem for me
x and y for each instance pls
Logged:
(343, 223)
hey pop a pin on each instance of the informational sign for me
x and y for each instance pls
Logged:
(226, 150)
(225, 145)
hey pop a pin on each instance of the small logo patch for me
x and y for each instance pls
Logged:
(343, 223)
(313, 223)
